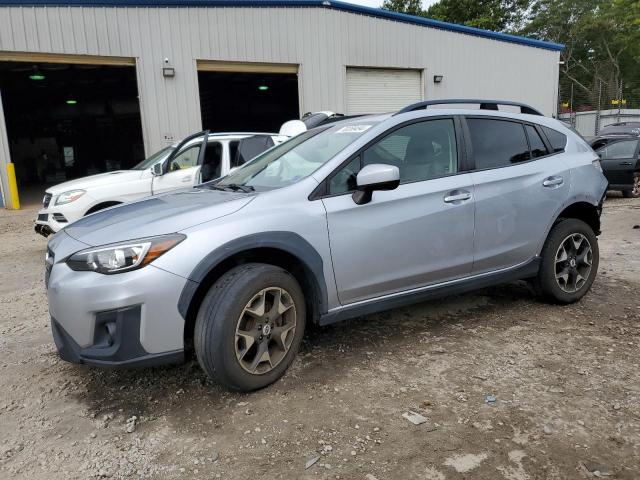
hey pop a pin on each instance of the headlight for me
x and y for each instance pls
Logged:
(70, 196)
(123, 257)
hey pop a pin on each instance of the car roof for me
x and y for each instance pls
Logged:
(241, 134)
(436, 112)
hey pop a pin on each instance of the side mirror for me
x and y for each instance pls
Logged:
(156, 170)
(377, 176)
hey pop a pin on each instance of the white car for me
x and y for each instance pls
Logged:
(176, 166)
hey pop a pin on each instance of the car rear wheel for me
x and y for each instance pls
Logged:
(249, 326)
(570, 258)
(635, 191)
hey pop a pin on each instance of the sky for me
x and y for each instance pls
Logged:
(377, 3)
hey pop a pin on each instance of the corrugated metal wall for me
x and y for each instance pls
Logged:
(322, 41)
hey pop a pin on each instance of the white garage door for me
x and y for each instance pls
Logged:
(379, 90)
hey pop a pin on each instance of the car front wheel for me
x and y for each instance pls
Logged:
(569, 262)
(249, 326)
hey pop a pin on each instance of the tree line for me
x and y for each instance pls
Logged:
(601, 58)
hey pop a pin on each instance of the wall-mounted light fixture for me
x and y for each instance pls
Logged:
(437, 78)
(167, 69)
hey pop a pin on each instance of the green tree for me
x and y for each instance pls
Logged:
(496, 15)
(411, 7)
(601, 46)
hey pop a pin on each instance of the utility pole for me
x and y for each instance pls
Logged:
(619, 102)
(598, 110)
(573, 115)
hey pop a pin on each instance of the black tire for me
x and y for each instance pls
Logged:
(219, 315)
(545, 283)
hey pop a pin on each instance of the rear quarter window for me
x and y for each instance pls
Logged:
(557, 140)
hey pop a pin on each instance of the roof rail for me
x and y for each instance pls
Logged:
(484, 105)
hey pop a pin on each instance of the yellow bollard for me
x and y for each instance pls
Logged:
(13, 186)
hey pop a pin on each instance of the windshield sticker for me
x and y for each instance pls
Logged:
(354, 129)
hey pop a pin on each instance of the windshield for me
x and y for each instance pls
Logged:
(294, 159)
(156, 157)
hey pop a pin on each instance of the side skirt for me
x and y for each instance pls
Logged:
(388, 302)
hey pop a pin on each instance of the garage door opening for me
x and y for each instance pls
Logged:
(381, 90)
(247, 101)
(66, 121)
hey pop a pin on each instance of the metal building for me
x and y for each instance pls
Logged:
(150, 72)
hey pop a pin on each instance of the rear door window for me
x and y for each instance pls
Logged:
(497, 143)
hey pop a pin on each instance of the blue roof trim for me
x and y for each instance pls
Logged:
(338, 5)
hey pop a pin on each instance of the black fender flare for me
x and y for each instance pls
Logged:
(288, 242)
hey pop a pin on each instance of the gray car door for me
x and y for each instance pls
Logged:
(518, 190)
(415, 235)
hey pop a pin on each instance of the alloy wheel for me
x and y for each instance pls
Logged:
(636, 186)
(265, 330)
(573, 262)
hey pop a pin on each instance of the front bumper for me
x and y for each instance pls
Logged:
(45, 224)
(125, 319)
(116, 343)
(53, 218)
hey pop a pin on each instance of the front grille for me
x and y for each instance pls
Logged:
(46, 200)
(48, 264)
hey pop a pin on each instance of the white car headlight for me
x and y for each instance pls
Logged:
(70, 196)
(123, 257)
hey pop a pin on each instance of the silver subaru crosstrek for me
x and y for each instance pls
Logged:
(346, 219)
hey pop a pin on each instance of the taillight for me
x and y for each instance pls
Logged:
(596, 163)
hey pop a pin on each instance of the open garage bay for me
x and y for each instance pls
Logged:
(66, 121)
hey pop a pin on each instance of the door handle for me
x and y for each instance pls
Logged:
(552, 181)
(626, 164)
(457, 196)
(186, 179)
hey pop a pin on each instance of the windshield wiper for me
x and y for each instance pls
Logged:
(234, 187)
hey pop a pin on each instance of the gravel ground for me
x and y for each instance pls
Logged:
(566, 382)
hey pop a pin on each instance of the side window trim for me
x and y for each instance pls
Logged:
(322, 190)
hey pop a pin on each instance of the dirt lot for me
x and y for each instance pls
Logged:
(566, 382)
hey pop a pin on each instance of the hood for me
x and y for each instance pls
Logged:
(98, 180)
(157, 215)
